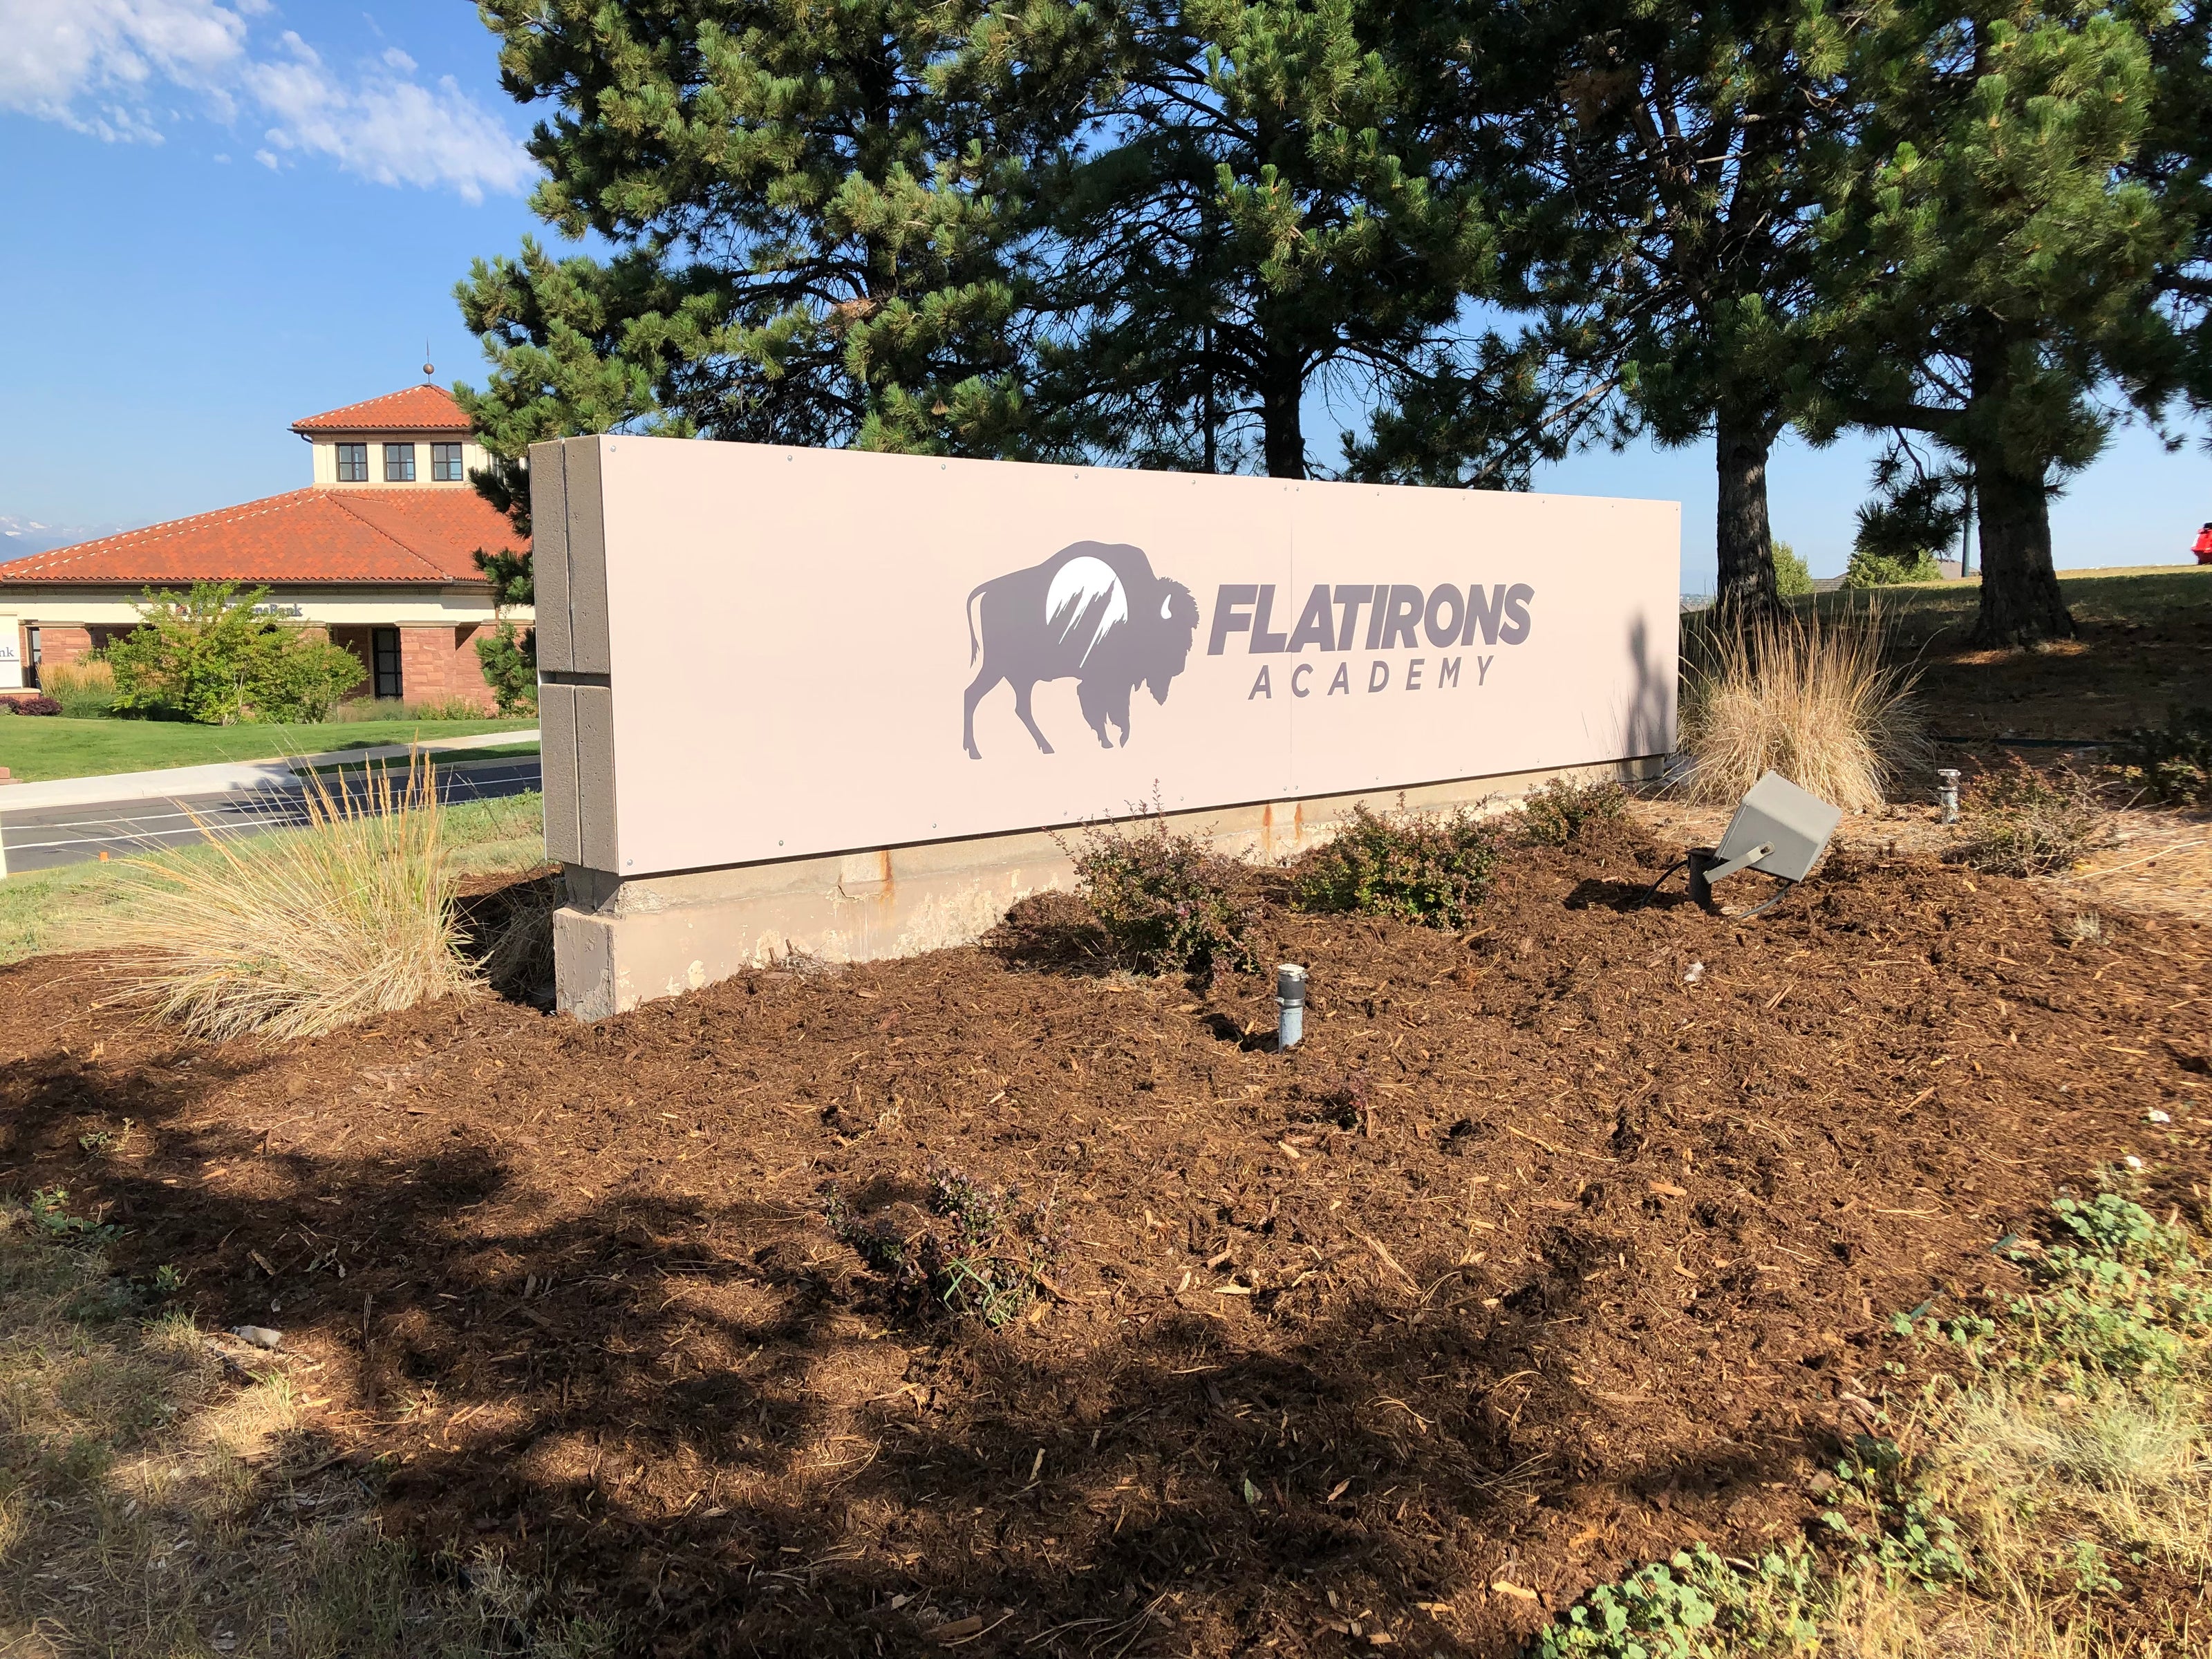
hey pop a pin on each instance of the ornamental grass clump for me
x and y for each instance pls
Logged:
(85, 690)
(1813, 700)
(300, 932)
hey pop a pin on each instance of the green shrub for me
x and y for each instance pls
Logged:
(1791, 578)
(1416, 867)
(2023, 822)
(210, 656)
(2171, 763)
(1165, 901)
(299, 677)
(1868, 569)
(1557, 813)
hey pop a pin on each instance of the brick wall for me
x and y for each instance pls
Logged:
(59, 643)
(439, 662)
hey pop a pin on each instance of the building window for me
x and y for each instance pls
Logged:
(399, 463)
(384, 652)
(446, 463)
(353, 463)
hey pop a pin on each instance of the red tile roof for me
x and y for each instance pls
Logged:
(416, 409)
(306, 537)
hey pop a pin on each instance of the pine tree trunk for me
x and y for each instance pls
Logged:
(1283, 440)
(1744, 541)
(2020, 600)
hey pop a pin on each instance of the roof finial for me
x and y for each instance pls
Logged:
(429, 368)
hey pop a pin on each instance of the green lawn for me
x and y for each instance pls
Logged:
(398, 767)
(2142, 596)
(35, 747)
(88, 907)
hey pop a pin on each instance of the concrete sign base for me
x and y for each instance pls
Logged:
(620, 942)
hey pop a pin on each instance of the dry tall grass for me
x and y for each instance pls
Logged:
(1809, 699)
(85, 688)
(294, 934)
(162, 1496)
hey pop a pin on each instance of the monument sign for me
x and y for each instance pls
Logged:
(767, 671)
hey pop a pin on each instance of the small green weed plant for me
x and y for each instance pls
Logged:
(1165, 903)
(2066, 1447)
(1424, 867)
(46, 1211)
(983, 1253)
(1696, 1606)
(1880, 1517)
(2120, 1295)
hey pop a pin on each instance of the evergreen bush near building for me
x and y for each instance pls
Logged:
(1868, 569)
(509, 656)
(212, 656)
(1792, 579)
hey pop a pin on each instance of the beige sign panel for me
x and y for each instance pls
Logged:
(755, 653)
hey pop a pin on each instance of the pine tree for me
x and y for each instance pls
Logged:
(1258, 207)
(1664, 164)
(1992, 266)
(817, 214)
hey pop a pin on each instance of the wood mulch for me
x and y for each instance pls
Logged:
(1554, 1246)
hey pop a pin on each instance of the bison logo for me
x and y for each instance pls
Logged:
(1094, 612)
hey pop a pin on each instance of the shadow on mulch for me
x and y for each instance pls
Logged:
(1531, 1262)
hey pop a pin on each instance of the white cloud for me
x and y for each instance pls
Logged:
(99, 65)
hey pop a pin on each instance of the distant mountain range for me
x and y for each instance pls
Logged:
(19, 536)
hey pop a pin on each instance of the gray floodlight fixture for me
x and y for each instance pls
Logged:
(1778, 830)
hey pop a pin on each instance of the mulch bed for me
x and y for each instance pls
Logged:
(1541, 1257)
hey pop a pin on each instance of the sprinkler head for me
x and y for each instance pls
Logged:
(1947, 791)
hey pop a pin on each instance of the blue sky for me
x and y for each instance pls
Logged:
(228, 214)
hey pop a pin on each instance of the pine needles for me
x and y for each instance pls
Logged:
(297, 934)
(1812, 700)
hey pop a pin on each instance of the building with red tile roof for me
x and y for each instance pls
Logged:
(378, 550)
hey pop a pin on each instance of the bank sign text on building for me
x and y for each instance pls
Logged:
(755, 653)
